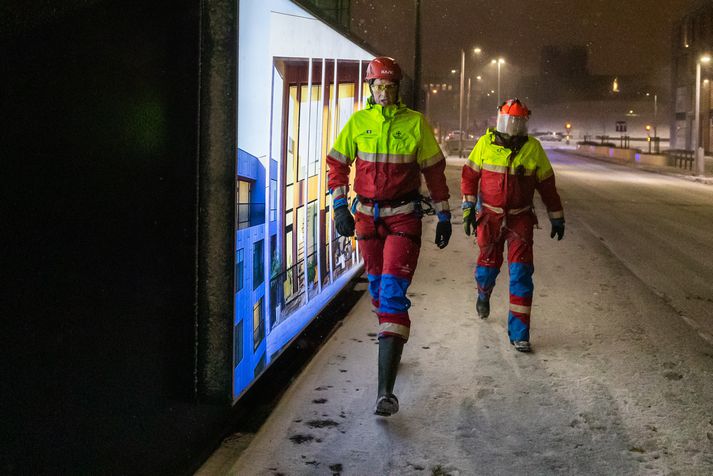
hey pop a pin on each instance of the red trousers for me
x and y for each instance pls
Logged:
(390, 248)
(494, 230)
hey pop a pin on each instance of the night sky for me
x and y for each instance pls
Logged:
(623, 37)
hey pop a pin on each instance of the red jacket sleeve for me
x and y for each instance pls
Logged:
(338, 176)
(436, 182)
(548, 191)
(469, 179)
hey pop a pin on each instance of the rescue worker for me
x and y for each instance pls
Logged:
(505, 167)
(390, 146)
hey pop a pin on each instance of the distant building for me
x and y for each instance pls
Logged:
(692, 37)
(564, 91)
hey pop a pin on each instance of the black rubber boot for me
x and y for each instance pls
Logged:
(390, 349)
(482, 307)
(522, 345)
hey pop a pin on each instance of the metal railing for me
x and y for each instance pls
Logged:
(287, 288)
(653, 143)
(681, 158)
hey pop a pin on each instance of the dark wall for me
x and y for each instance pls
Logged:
(99, 104)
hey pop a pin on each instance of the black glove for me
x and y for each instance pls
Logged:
(557, 228)
(443, 229)
(469, 218)
(344, 221)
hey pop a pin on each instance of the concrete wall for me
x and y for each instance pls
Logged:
(625, 155)
(100, 151)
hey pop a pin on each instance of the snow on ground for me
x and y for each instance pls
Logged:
(618, 383)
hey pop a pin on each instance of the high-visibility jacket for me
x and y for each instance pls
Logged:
(508, 181)
(390, 146)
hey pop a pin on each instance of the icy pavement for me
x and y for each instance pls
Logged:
(618, 383)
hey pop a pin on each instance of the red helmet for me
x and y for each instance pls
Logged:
(514, 107)
(383, 67)
(512, 118)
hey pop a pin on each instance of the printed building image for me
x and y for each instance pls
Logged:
(299, 81)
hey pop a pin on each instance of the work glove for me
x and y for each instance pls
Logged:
(557, 228)
(469, 218)
(344, 221)
(443, 229)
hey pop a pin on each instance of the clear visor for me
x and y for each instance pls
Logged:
(512, 125)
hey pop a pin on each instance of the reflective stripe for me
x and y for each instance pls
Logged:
(520, 309)
(472, 165)
(433, 160)
(514, 211)
(391, 328)
(495, 168)
(338, 192)
(339, 157)
(501, 169)
(557, 214)
(409, 207)
(441, 206)
(386, 158)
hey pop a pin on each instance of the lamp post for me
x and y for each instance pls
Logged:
(498, 61)
(655, 138)
(695, 137)
(460, 115)
(467, 107)
(477, 51)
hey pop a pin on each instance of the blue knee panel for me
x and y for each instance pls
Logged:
(517, 330)
(485, 277)
(392, 295)
(521, 279)
(374, 285)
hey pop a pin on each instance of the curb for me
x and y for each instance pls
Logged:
(646, 168)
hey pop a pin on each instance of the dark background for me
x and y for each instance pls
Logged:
(622, 38)
(99, 145)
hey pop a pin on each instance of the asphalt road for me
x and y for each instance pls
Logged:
(660, 227)
(619, 381)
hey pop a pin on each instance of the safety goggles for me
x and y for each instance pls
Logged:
(384, 87)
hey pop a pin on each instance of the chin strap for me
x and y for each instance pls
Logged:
(514, 143)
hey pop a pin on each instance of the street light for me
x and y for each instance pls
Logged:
(695, 139)
(476, 50)
(568, 128)
(498, 61)
(656, 141)
(460, 113)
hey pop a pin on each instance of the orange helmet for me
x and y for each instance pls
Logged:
(383, 67)
(512, 118)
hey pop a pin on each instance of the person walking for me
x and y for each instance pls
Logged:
(391, 146)
(504, 169)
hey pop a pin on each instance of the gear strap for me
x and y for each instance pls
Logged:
(416, 198)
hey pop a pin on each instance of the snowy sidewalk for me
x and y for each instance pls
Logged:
(600, 394)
